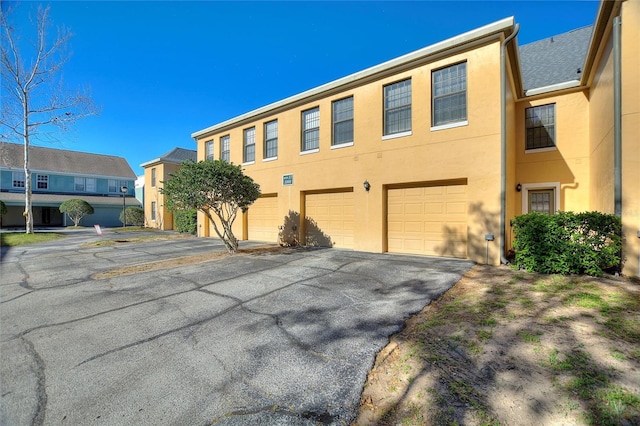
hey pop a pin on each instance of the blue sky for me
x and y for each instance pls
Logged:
(163, 70)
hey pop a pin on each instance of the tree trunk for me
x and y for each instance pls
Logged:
(28, 210)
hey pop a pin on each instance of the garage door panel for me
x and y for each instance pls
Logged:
(332, 217)
(428, 220)
(263, 220)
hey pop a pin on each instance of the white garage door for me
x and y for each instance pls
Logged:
(430, 220)
(263, 220)
(330, 219)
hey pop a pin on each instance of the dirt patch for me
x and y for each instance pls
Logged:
(183, 261)
(508, 347)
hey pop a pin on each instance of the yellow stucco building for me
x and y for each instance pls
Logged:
(156, 171)
(430, 152)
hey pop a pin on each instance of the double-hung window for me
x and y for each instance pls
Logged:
(79, 184)
(541, 126)
(397, 107)
(116, 185)
(311, 129)
(208, 147)
(153, 211)
(271, 139)
(42, 182)
(90, 185)
(18, 179)
(153, 177)
(449, 95)
(225, 150)
(342, 121)
(249, 142)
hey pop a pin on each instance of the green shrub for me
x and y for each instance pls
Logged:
(135, 216)
(3, 208)
(567, 243)
(186, 220)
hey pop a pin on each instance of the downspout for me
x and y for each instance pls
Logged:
(617, 123)
(617, 117)
(503, 142)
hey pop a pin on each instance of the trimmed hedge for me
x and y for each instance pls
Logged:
(568, 243)
(135, 216)
(186, 220)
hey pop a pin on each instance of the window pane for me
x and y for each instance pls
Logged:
(225, 153)
(271, 139)
(249, 145)
(209, 150)
(397, 107)
(311, 129)
(18, 179)
(343, 121)
(79, 183)
(449, 91)
(540, 126)
(311, 139)
(90, 185)
(42, 182)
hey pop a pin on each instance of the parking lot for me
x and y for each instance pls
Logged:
(268, 337)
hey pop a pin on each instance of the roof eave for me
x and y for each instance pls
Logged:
(606, 11)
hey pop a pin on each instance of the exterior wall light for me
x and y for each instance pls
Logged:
(367, 185)
(518, 187)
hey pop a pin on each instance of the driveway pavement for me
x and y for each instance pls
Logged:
(277, 339)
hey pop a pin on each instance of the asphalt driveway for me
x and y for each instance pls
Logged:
(281, 338)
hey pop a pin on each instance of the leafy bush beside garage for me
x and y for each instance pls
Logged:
(567, 243)
(186, 220)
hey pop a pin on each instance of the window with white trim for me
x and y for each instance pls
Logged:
(540, 123)
(115, 185)
(397, 107)
(311, 129)
(225, 149)
(342, 121)
(153, 211)
(208, 147)
(78, 184)
(153, 177)
(541, 201)
(90, 185)
(249, 142)
(271, 139)
(42, 182)
(18, 179)
(449, 94)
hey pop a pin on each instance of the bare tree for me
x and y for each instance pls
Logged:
(35, 104)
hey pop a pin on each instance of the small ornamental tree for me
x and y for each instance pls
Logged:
(215, 188)
(76, 209)
(3, 208)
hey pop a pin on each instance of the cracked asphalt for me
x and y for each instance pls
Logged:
(282, 338)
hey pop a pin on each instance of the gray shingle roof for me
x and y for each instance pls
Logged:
(555, 59)
(179, 155)
(175, 156)
(63, 161)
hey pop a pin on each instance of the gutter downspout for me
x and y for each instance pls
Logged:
(617, 117)
(617, 122)
(503, 142)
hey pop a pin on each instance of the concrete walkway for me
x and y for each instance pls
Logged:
(284, 338)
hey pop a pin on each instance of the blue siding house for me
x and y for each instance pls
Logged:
(58, 175)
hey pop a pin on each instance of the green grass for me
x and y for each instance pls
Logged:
(13, 239)
(528, 337)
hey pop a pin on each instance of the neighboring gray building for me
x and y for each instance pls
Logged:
(58, 175)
